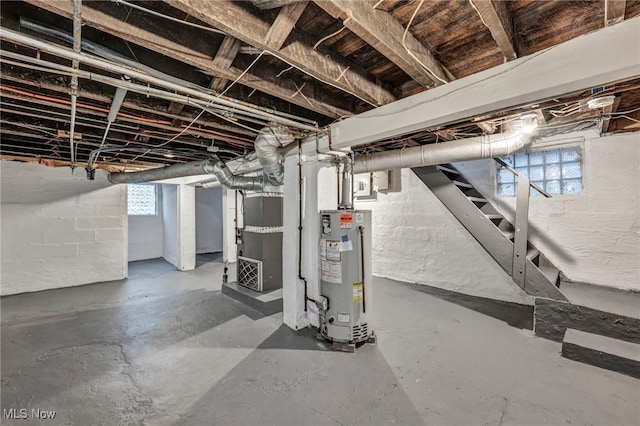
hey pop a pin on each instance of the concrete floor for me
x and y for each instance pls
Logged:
(166, 347)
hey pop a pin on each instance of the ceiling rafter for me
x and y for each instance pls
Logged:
(273, 4)
(284, 24)
(145, 34)
(234, 19)
(614, 11)
(224, 58)
(497, 18)
(379, 29)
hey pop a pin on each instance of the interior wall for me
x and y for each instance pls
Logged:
(170, 223)
(416, 239)
(59, 229)
(146, 239)
(208, 220)
(592, 237)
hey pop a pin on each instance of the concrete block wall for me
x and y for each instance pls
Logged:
(416, 239)
(58, 229)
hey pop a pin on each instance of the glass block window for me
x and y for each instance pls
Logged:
(142, 199)
(557, 171)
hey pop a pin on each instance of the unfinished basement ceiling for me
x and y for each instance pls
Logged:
(322, 61)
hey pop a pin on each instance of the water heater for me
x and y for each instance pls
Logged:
(345, 277)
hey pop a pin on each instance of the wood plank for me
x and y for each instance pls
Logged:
(614, 11)
(496, 16)
(178, 44)
(379, 29)
(273, 4)
(236, 20)
(283, 25)
(227, 52)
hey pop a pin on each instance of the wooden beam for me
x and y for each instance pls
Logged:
(614, 11)
(227, 52)
(273, 4)
(180, 44)
(234, 19)
(496, 16)
(283, 25)
(379, 29)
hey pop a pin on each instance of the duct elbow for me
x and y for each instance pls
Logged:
(267, 147)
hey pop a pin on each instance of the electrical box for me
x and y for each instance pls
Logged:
(345, 275)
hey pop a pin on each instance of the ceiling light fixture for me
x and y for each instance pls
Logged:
(601, 102)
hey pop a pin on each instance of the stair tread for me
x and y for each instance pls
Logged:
(604, 344)
(463, 184)
(509, 234)
(532, 253)
(478, 199)
(448, 169)
(494, 216)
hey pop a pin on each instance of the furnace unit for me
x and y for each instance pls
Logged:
(260, 251)
(345, 277)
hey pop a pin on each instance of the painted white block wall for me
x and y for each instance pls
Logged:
(58, 229)
(170, 223)
(208, 220)
(146, 234)
(230, 250)
(179, 225)
(592, 237)
(416, 239)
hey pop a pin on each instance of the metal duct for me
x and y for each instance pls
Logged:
(267, 144)
(488, 146)
(175, 171)
(213, 166)
(347, 194)
(231, 181)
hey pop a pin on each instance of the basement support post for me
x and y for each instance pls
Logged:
(186, 218)
(293, 288)
(229, 248)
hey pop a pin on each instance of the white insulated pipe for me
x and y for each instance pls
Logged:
(21, 39)
(487, 146)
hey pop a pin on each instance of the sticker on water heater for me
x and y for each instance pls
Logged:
(326, 224)
(346, 245)
(331, 272)
(359, 217)
(358, 292)
(333, 250)
(346, 220)
(323, 249)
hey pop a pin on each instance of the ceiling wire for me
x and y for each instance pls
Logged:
(404, 36)
(170, 18)
(197, 117)
(335, 33)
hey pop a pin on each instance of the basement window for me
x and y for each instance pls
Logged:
(558, 171)
(142, 199)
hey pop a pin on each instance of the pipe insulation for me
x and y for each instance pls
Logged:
(487, 146)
